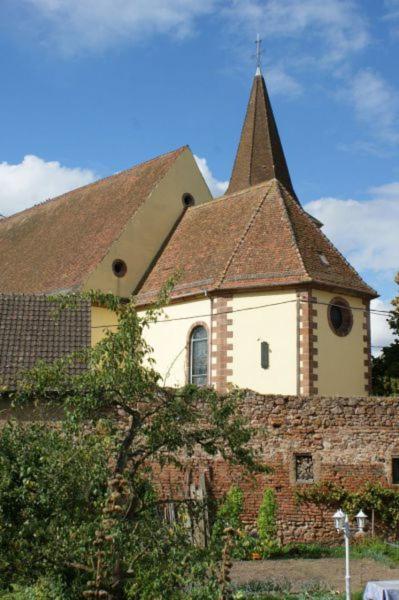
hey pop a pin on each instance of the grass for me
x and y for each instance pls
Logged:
(280, 590)
(369, 548)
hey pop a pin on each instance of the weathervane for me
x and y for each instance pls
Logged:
(258, 54)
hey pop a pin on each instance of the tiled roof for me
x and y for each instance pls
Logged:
(260, 155)
(259, 237)
(55, 245)
(33, 328)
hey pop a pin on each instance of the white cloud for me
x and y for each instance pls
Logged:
(336, 25)
(217, 187)
(34, 180)
(381, 334)
(376, 104)
(96, 24)
(392, 14)
(280, 82)
(365, 231)
(387, 191)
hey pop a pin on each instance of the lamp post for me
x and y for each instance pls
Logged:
(341, 523)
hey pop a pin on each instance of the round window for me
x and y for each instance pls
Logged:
(340, 316)
(119, 267)
(188, 200)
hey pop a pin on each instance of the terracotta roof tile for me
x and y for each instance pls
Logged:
(31, 328)
(259, 237)
(54, 246)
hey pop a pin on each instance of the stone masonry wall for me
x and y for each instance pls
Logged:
(347, 440)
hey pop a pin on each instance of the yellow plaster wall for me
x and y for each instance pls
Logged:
(149, 227)
(276, 325)
(169, 338)
(340, 359)
(101, 318)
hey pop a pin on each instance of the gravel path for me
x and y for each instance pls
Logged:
(328, 571)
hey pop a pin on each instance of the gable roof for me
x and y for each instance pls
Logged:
(257, 238)
(260, 155)
(31, 328)
(55, 245)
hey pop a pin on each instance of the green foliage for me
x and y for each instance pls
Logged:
(77, 502)
(385, 501)
(277, 589)
(51, 488)
(386, 371)
(229, 511)
(229, 515)
(44, 589)
(386, 365)
(267, 517)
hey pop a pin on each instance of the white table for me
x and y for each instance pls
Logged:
(381, 590)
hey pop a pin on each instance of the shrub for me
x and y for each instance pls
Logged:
(229, 512)
(267, 518)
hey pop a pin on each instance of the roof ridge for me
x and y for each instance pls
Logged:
(294, 236)
(82, 187)
(232, 195)
(327, 240)
(242, 238)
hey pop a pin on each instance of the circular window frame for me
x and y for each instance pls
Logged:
(187, 200)
(347, 317)
(119, 267)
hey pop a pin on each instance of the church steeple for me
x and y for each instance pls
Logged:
(260, 155)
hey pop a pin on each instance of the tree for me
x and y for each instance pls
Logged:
(120, 393)
(386, 365)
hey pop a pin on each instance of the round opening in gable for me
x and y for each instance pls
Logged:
(188, 200)
(119, 267)
(340, 316)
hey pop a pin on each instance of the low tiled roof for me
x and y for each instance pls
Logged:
(33, 328)
(55, 245)
(259, 237)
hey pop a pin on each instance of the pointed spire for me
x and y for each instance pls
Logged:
(260, 156)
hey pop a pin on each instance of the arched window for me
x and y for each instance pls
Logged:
(199, 356)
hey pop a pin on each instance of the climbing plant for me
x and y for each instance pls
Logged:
(267, 517)
(372, 496)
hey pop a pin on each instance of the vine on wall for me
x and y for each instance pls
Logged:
(372, 496)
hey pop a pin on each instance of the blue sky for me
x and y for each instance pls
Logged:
(90, 87)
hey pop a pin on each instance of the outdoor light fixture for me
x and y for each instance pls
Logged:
(361, 519)
(341, 524)
(339, 520)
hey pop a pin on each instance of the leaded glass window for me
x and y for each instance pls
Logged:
(199, 356)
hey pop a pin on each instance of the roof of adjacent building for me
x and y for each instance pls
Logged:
(33, 328)
(257, 238)
(55, 245)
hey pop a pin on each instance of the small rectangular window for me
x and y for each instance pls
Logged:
(395, 470)
(264, 355)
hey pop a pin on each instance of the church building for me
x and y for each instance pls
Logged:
(262, 300)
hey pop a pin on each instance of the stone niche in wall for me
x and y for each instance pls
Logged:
(304, 468)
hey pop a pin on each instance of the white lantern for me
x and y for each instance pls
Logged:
(339, 520)
(361, 519)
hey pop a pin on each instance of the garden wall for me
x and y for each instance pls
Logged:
(304, 440)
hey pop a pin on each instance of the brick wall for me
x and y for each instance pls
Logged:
(349, 440)
(222, 342)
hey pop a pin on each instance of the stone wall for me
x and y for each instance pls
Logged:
(304, 439)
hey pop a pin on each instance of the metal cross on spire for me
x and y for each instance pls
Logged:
(258, 54)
